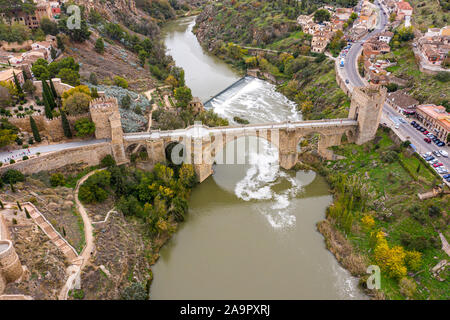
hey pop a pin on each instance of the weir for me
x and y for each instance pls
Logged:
(207, 104)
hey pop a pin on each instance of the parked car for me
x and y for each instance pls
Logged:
(442, 170)
(413, 123)
(437, 154)
(346, 81)
(429, 158)
(443, 153)
(446, 176)
(427, 140)
(441, 144)
(423, 129)
(418, 127)
(425, 132)
(430, 135)
(448, 179)
(438, 164)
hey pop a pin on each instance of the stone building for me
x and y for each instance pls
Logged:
(436, 119)
(196, 105)
(402, 102)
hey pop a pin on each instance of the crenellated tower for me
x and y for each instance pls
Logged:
(106, 116)
(366, 107)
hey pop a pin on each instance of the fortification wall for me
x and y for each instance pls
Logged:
(52, 128)
(90, 155)
(15, 46)
(101, 110)
(341, 82)
(59, 86)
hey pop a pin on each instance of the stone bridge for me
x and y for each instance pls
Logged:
(202, 143)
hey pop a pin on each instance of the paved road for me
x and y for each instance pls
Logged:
(202, 131)
(389, 116)
(18, 154)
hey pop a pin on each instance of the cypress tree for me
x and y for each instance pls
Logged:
(65, 125)
(25, 77)
(12, 187)
(18, 205)
(64, 232)
(48, 109)
(27, 214)
(48, 93)
(16, 82)
(55, 94)
(1, 205)
(35, 130)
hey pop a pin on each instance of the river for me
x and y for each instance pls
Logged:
(251, 229)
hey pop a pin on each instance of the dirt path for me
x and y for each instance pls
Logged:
(74, 270)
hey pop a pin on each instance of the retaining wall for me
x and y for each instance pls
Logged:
(90, 155)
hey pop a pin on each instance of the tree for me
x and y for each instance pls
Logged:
(13, 176)
(35, 130)
(94, 93)
(47, 108)
(142, 55)
(171, 81)
(65, 125)
(99, 45)
(93, 79)
(136, 291)
(125, 102)
(27, 214)
(322, 15)
(69, 76)
(52, 87)
(120, 82)
(77, 103)
(60, 43)
(108, 161)
(57, 179)
(84, 127)
(183, 96)
(28, 87)
(7, 137)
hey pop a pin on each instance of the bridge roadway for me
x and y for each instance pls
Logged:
(198, 131)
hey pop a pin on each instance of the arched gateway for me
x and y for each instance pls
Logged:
(202, 143)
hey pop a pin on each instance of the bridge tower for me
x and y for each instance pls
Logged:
(366, 107)
(106, 116)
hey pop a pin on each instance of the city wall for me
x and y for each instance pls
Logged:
(51, 128)
(90, 155)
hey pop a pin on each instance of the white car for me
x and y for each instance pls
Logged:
(443, 153)
(441, 170)
(433, 161)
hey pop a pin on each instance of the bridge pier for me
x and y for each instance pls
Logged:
(203, 171)
(156, 151)
(287, 160)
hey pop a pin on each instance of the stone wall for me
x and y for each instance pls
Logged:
(341, 82)
(60, 87)
(15, 46)
(89, 154)
(51, 128)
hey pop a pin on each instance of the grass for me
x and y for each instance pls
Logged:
(71, 181)
(392, 188)
(80, 224)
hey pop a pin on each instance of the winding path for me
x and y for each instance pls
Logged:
(75, 270)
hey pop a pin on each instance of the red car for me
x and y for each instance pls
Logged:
(425, 132)
(427, 140)
(437, 164)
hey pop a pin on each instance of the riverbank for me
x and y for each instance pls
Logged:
(386, 224)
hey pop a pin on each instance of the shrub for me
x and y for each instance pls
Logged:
(57, 179)
(12, 161)
(25, 158)
(120, 82)
(84, 127)
(390, 260)
(108, 161)
(136, 291)
(413, 260)
(368, 222)
(13, 176)
(407, 287)
(125, 102)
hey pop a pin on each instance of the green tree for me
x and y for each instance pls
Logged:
(65, 125)
(125, 102)
(99, 45)
(77, 103)
(84, 127)
(120, 82)
(69, 76)
(18, 86)
(35, 130)
(57, 179)
(322, 15)
(183, 96)
(13, 176)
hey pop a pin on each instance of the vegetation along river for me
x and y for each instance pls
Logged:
(251, 229)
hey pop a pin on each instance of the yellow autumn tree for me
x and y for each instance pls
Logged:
(390, 260)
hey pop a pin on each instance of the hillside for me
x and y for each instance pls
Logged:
(226, 28)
